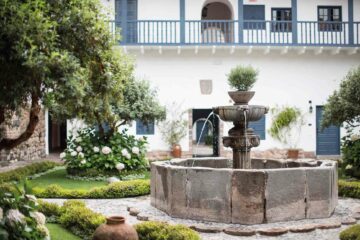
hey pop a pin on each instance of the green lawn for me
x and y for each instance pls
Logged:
(59, 177)
(57, 232)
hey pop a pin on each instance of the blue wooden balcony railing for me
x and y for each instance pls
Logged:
(223, 32)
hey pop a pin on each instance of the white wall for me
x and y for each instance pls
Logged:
(284, 80)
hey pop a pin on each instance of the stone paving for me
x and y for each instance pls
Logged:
(325, 229)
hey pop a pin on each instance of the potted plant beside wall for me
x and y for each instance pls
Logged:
(242, 78)
(286, 128)
(174, 129)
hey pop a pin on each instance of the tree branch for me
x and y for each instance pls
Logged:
(30, 129)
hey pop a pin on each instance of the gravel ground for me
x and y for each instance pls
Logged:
(346, 207)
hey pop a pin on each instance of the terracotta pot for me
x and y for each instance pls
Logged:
(115, 228)
(241, 97)
(176, 151)
(293, 153)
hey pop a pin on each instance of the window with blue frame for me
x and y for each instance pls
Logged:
(259, 128)
(254, 17)
(281, 20)
(126, 12)
(145, 128)
(329, 18)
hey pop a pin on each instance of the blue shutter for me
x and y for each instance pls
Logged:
(145, 129)
(132, 16)
(254, 12)
(125, 11)
(259, 127)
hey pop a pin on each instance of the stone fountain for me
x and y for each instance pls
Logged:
(244, 190)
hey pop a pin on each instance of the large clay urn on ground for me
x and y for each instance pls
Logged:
(176, 151)
(115, 228)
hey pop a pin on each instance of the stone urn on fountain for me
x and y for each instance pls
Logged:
(241, 138)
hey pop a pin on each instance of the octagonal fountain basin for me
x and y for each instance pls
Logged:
(272, 191)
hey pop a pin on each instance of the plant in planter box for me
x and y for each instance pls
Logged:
(174, 128)
(242, 79)
(286, 127)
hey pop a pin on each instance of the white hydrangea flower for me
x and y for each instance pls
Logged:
(62, 155)
(39, 217)
(73, 153)
(135, 150)
(1, 214)
(78, 139)
(124, 152)
(13, 217)
(83, 161)
(348, 167)
(81, 155)
(355, 137)
(96, 149)
(120, 166)
(106, 150)
(112, 179)
(79, 149)
(128, 156)
(31, 197)
(43, 229)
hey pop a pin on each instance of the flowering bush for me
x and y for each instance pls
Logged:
(19, 218)
(351, 155)
(119, 152)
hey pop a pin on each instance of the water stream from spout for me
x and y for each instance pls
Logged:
(201, 133)
(246, 164)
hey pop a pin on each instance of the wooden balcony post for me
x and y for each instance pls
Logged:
(351, 21)
(294, 21)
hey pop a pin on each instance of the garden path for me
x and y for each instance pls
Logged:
(346, 207)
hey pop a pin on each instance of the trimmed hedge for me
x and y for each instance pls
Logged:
(351, 233)
(123, 189)
(349, 189)
(74, 216)
(23, 172)
(162, 231)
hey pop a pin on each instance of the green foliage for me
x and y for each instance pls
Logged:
(88, 150)
(51, 210)
(163, 231)
(61, 53)
(174, 128)
(242, 78)
(351, 155)
(286, 125)
(208, 140)
(122, 189)
(351, 233)
(344, 105)
(349, 189)
(20, 221)
(140, 102)
(79, 219)
(23, 172)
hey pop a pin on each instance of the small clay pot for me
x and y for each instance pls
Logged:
(176, 151)
(293, 153)
(115, 228)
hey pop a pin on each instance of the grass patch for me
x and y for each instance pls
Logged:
(59, 178)
(57, 232)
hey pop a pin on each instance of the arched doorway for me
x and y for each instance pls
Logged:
(217, 26)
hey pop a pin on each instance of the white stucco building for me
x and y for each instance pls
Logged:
(302, 49)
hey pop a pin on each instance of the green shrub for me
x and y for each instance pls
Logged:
(351, 233)
(351, 155)
(242, 78)
(163, 231)
(51, 210)
(123, 189)
(79, 219)
(90, 152)
(349, 189)
(23, 172)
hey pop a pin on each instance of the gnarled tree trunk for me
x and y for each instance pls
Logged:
(33, 122)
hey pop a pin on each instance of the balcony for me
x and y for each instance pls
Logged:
(232, 32)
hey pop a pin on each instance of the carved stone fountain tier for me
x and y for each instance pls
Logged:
(272, 191)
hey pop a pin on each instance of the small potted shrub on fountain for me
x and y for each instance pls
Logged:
(286, 128)
(242, 79)
(174, 128)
